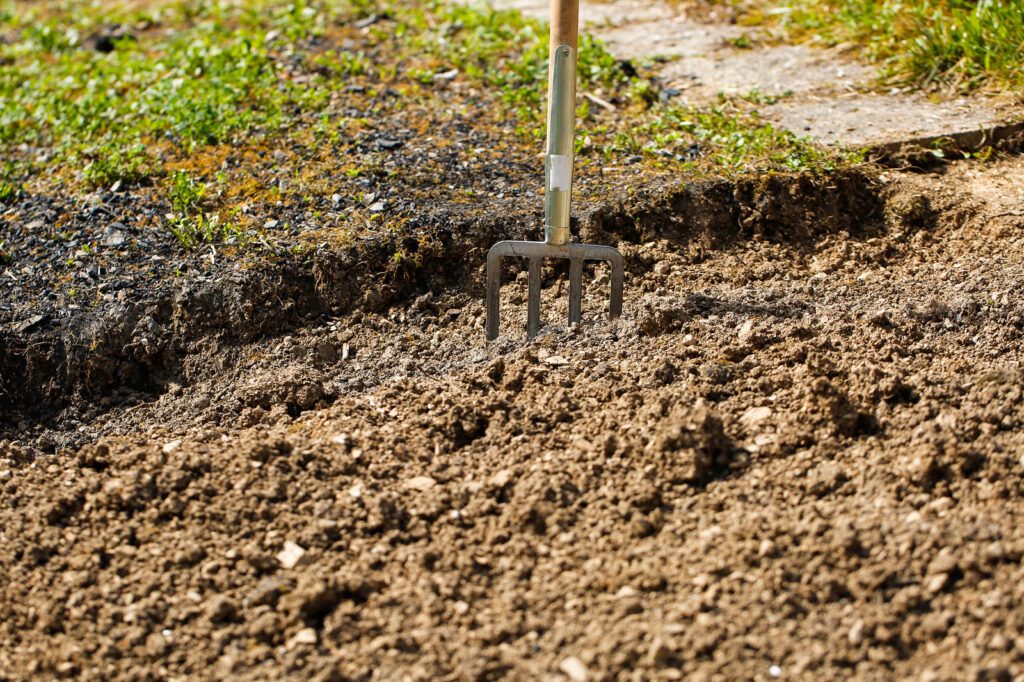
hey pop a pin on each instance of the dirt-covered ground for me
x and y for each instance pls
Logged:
(798, 455)
(286, 451)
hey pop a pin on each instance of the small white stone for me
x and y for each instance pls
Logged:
(420, 483)
(556, 360)
(856, 634)
(501, 478)
(303, 636)
(754, 416)
(745, 331)
(775, 671)
(292, 555)
(171, 447)
(935, 583)
(574, 668)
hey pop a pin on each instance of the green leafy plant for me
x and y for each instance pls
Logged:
(185, 193)
(734, 140)
(110, 163)
(189, 222)
(9, 188)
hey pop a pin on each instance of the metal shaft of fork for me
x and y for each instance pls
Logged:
(558, 156)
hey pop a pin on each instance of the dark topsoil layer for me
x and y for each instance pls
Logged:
(59, 360)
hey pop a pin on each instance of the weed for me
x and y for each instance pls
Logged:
(755, 96)
(189, 223)
(185, 194)
(196, 230)
(10, 189)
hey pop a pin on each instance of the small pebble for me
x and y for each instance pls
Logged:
(754, 416)
(303, 636)
(574, 668)
(420, 483)
(292, 555)
(856, 634)
(501, 478)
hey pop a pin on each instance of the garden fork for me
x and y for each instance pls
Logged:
(557, 193)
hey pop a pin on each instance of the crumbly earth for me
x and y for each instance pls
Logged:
(796, 456)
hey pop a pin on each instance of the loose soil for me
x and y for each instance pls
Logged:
(796, 455)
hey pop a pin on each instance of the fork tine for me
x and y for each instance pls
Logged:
(493, 295)
(533, 299)
(575, 290)
(615, 304)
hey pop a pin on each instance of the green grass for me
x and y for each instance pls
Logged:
(196, 86)
(504, 51)
(732, 139)
(219, 77)
(965, 44)
(114, 161)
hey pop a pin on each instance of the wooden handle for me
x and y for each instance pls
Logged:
(565, 20)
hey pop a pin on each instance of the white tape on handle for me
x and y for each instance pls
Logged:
(560, 177)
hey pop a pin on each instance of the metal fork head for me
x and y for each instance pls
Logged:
(536, 252)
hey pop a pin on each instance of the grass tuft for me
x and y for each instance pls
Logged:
(964, 44)
(730, 138)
